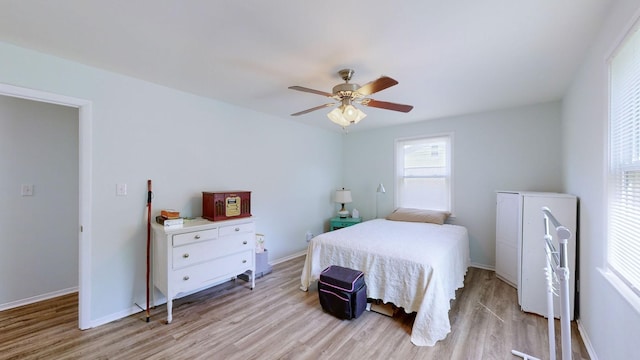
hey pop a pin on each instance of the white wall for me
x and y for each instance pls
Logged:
(186, 144)
(38, 234)
(610, 324)
(512, 149)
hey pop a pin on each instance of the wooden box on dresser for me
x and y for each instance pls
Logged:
(201, 254)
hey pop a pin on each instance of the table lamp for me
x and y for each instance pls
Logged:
(343, 197)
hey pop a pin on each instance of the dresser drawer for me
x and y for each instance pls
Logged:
(200, 275)
(234, 243)
(194, 253)
(195, 236)
(238, 228)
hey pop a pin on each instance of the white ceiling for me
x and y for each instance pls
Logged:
(449, 57)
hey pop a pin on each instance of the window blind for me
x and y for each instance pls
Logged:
(424, 173)
(623, 243)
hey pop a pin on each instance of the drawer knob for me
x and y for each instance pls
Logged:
(244, 261)
(244, 242)
(237, 229)
(186, 255)
(197, 236)
(185, 278)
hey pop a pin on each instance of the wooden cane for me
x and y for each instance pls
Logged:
(148, 241)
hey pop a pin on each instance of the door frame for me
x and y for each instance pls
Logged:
(84, 207)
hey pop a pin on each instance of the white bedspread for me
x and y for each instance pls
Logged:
(416, 266)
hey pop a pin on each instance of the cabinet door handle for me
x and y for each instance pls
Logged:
(244, 261)
(244, 242)
(185, 255)
(237, 229)
(197, 236)
(185, 278)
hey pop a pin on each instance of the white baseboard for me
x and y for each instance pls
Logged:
(586, 341)
(483, 266)
(35, 299)
(289, 257)
(115, 316)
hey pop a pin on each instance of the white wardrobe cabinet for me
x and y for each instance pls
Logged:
(520, 250)
(507, 238)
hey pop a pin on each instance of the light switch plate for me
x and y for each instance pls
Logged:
(26, 190)
(121, 189)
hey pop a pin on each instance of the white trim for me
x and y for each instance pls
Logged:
(85, 121)
(616, 280)
(605, 166)
(482, 266)
(37, 298)
(449, 134)
(622, 288)
(630, 28)
(85, 114)
(587, 342)
(116, 316)
(289, 257)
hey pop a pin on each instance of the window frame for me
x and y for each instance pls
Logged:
(619, 280)
(449, 177)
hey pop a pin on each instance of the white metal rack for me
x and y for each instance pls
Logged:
(557, 271)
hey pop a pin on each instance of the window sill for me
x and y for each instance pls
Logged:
(623, 289)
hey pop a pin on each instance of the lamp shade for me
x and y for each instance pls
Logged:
(352, 114)
(336, 116)
(346, 115)
(343, 196)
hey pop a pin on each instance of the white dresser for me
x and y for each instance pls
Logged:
(201, 254)
(520, 249)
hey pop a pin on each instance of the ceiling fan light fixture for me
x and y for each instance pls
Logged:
(336, 116)
(346, 115)
(353, 114)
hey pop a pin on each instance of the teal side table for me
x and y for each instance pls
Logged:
(339, 223)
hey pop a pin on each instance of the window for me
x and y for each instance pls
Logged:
(623, 242)
(423, 173)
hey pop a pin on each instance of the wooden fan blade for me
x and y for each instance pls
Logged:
(313, 109)
(301, 88)
(376, 85)
(387, 105)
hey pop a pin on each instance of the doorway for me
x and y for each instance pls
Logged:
(84, 181)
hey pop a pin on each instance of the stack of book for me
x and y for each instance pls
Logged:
(170, 219)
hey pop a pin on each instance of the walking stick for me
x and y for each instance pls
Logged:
(148, 240)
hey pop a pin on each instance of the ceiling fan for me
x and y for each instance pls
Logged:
(347, 94)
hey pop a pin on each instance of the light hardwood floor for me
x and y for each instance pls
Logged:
(278, 321)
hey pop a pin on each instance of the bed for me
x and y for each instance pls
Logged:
(416, 266)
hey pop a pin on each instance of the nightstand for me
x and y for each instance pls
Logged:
(339, 223)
